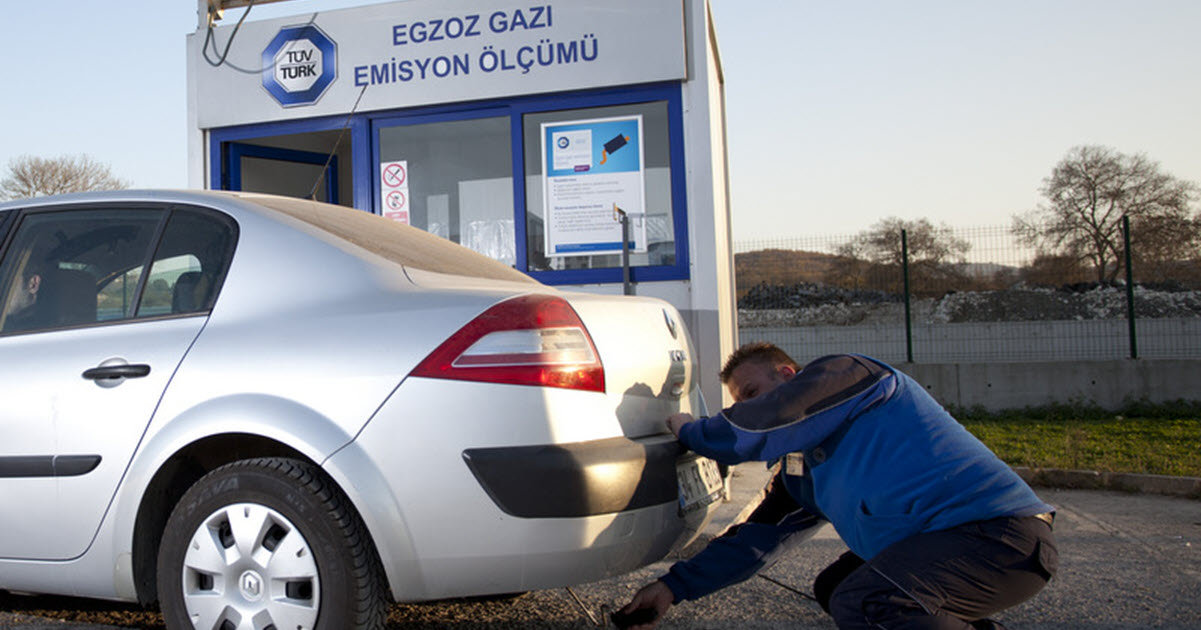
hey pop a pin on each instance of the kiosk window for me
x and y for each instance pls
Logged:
(537, 183)
(653, 225)
(458, 181)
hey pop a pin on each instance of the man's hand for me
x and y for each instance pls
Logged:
(677, 420)
(655, 596)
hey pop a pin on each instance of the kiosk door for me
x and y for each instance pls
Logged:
(290, 172)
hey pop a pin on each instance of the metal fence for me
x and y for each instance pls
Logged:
(967, 295)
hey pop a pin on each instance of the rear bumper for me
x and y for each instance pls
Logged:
(578, 479)
(604, 504)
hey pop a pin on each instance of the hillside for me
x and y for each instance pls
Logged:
(779, 267)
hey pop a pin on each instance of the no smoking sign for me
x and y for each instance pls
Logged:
(395, 174)
(394, 190)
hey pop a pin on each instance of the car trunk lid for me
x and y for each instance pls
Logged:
(649, 364)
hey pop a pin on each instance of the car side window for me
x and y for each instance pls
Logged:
(74, 267)
(189, 264)
(58, 261)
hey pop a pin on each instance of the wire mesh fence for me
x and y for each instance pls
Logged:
(967, 295)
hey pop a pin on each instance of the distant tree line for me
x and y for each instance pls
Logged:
(32, 176)
(1076, 232)
(1076, 235)
(926, 248)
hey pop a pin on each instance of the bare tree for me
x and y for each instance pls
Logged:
(1051, 271)
(32, 176)
(1089, 192)
(931, 250)
(1166, 249)
(926, 242)
(853, 269)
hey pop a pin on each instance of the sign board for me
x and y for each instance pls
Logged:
(423, 52)
(299, 64)
(592, 173)
(394, 190)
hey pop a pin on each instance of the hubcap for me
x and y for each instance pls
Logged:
(251, 586)
(249, 567)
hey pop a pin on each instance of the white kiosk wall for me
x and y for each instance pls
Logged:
(344, 81)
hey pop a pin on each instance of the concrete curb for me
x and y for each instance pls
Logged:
(1186, 487)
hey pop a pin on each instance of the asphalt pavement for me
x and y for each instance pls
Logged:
(1129, 559)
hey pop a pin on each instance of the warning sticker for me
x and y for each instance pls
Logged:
(394, 190)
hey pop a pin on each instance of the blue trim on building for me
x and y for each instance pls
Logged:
(392, 119)
(364, 133)
(220, 139)
(238, 150)
(679, 180)
(520, 226)
(362, 179)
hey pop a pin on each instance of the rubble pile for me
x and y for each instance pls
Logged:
(810, 304)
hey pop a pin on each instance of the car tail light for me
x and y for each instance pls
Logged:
(528, 340)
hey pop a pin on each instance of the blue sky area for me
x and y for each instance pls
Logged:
(839, 114)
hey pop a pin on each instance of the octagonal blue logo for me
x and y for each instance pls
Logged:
(299, 64)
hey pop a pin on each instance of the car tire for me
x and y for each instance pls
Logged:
(269, 542)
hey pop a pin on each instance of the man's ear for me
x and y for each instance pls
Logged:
(787, 371)
(35, 282)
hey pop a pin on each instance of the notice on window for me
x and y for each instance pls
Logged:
(593, 173)
(394, 190)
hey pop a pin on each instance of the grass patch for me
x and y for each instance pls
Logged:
(1140, 438)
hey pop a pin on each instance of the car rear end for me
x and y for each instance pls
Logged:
(525, 446)
(529, 450)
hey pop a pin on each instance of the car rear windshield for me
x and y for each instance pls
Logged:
(399, 243)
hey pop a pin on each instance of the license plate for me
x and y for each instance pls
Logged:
(700, 483)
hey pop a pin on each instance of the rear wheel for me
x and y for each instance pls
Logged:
(268, 543)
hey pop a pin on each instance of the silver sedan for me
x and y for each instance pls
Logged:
(263, 412)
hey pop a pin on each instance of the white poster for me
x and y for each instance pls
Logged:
(593, 174)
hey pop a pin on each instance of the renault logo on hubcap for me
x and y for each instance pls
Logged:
(251, 585)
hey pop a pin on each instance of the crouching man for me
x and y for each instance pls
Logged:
(941, 532)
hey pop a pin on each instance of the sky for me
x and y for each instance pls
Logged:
(839, 114)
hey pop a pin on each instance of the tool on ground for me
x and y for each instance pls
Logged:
(635, 617)
(579, 602)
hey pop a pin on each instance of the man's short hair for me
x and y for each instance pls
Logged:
(758, 352)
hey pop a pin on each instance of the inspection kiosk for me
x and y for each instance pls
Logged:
(581, 142)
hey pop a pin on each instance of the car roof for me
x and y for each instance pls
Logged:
(403, 244)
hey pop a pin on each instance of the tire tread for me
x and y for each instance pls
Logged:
(370, 605)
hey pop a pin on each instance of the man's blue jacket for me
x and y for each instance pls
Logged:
(882, 461)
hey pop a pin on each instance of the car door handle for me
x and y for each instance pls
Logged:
(128, 370)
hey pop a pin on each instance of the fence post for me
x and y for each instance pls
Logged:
(905, 283)
(1129, 288)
